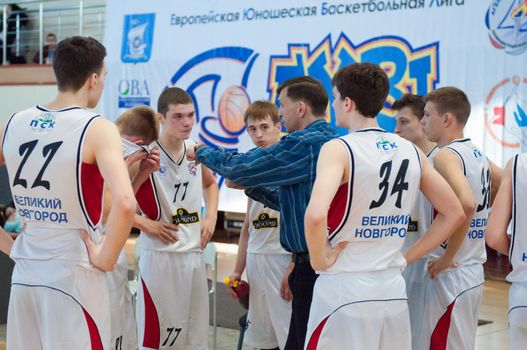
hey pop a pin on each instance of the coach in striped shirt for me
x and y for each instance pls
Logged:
(282, 177)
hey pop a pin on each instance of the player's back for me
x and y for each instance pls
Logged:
(371, 210)
(518, 249)
(55, 192)
(476, 169)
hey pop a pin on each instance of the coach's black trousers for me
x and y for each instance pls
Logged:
(301, 281)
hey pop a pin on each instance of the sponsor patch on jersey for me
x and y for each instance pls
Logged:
(182, 216)
(385, 144)
(265, 221)
(413, 226)
(192, 168)
(43, 123)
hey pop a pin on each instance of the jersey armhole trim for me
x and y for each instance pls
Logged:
(419, 159)
(514, 173)
(6, 127)
(460, 158)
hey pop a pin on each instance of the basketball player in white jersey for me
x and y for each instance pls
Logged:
(59, 156)
(410, 111)
(172, 301)
(268, 264)
(508, 205)
(455, 283)
(357, 219)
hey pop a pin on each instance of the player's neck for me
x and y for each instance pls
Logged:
(449, 137)
(68, 99)
(363, 123)
(425, 145)
(171, 144)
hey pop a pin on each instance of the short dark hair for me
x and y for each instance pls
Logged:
(415, 102)
(259, 110)
(139, 121)
(309, 90)
(450, 99)
(75, 59)
(172, 96)
(366, 84)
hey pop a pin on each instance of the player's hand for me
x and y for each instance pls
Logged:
(191, 154)
(328, 258)
(93, 248)
(234, 185)
(233, 277)
(162, 230)
(285, 291)
(436, 266)
(207, 230)
(150, 163)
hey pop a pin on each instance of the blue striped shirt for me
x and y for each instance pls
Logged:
(280, 176)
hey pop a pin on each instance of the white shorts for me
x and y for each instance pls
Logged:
(269, 314)
(124, 327)
(518, 316)
(452, 308)
(414, 276)
(57, 305)
(172, 301)
(365, 310)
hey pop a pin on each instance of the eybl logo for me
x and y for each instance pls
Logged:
(409, 69)
(138, 37)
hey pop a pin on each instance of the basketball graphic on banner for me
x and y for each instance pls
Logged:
(233, 103)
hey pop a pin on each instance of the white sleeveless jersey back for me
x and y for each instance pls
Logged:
(55, 193)
(173, 194)
(518, 249)
(372, 209)
(476, 169)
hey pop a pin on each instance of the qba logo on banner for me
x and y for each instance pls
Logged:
(409, 69)
(506, 21)
(506, 113)
(138, 34)
(133, 92)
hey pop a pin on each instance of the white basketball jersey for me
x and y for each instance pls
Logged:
(264, 230)
(476, 169)
(53, 190)
(173, 194)
(518, 249)
(422, 213)
(372, 209)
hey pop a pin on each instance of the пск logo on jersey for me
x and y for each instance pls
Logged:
(506, 21)
(43, 122)
(384, 144)
(138, 34)
(182, 216)
(192, 168)
(506, 113)
(264, 221)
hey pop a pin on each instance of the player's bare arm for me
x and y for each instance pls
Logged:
(103, 147)
(210, 196)
(500, 215)
(449, 217)
(241, 257)
(449, 166)
(332, 168)
(6, 242)
(496, 175)
(145, 167)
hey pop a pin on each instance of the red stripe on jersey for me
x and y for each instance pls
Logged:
(315, 336)
(92, 185)
(146, 198)
(95, 337)
(439, 338)
(337, 209)
(152, 332)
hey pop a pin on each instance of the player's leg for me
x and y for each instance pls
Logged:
(274, 267)
(414, 276)
(396, 332)
(259, 333)
(517, 316)
(198, 315)
(464, 320)
(22, 320)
